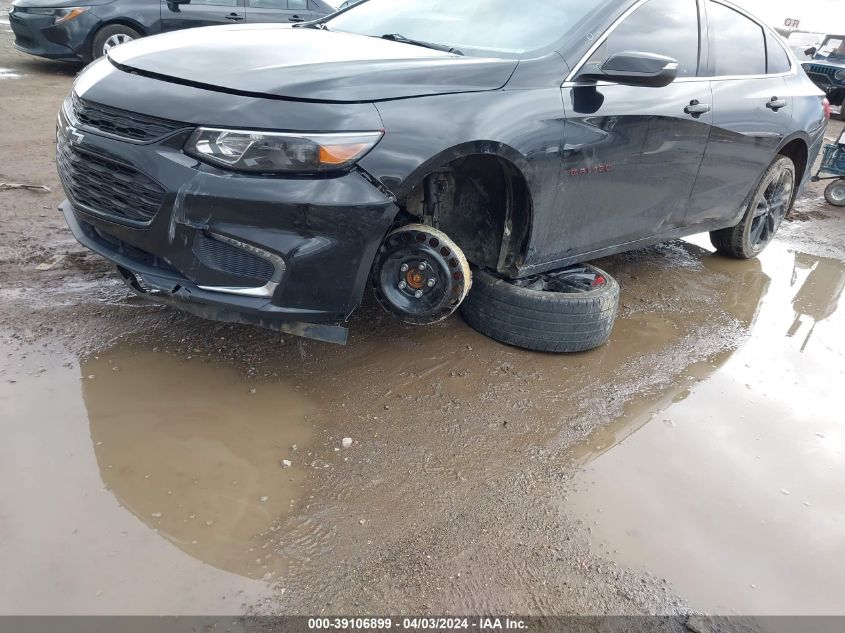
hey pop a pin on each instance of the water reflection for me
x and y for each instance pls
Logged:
(196, 452)
(822, 280)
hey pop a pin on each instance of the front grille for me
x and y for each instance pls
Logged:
(24, 41)
(231, 260)
(120, 123)
(120, 247)
(107, 187)
(818, 69)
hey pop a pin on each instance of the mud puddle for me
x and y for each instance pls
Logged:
(144, 482)
(731, 489)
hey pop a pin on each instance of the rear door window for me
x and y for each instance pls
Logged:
(739, 42)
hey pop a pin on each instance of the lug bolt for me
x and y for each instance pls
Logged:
(431, 282)
(418, 294)
(404, 268)
(423, 266)
(402, 285)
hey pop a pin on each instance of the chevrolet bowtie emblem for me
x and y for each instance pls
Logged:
(76, 137)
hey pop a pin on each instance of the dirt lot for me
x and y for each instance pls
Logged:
(688, 465)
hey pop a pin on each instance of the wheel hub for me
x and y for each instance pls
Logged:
(420, 275)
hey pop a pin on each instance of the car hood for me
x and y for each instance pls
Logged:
(836, 63)
(57, 4)
(307, 64)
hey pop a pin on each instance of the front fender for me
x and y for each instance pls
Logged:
(523, 127)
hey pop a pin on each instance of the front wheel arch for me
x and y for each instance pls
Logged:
(495, 233)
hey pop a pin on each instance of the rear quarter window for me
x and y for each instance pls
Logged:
(739, 42)
(778, 60)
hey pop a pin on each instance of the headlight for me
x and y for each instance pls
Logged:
(278, 152)
(60, 15)
(840, 75)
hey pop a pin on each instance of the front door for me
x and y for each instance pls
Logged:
(278, 11)
(201, 13)
(632, 154)
(752, 114)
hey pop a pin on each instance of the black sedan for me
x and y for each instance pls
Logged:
(444, 154)
(82, 30)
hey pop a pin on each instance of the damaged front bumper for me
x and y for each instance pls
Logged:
(288, 254)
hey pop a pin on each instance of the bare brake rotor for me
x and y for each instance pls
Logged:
(420, 275)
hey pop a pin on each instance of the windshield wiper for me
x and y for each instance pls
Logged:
(397, 37)
(321, 26)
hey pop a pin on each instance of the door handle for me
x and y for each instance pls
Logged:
(295, 18)
(776, 104)
(696, 108)
(234, 17)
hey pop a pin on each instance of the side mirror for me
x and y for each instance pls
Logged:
(634, 69)
(811, 51)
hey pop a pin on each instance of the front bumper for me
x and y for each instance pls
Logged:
(291, 254)
(38, 35)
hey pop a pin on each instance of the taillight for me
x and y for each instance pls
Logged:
(826, 106)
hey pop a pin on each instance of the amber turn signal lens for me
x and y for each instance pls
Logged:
(341, 154)
(71, 14)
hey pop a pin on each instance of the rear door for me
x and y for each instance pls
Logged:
(279, 11)
(201, 13)
(632, 153)
(752, 113)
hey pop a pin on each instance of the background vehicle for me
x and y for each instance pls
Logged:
(347, 3)
(58, 29)
(276, 173)
(833, 169)
(799, 43)
(827, 70)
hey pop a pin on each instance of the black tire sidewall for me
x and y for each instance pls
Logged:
(750, 251)
(538, 320)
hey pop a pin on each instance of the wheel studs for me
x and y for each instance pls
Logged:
(432, 282)
(402, 285)
(405, 268)
(423, 266)
(418, 294)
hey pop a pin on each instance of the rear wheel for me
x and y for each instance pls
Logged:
(110, 36)
(571, 310)
(835, 193)
(770, 204)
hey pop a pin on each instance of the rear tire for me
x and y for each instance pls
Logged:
(835, 193)
(770, 203)
(542, 320)
(112, 35)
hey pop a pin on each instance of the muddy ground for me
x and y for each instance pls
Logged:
(156, 463)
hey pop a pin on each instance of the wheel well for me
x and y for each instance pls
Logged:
(483, 203)
(799, 153)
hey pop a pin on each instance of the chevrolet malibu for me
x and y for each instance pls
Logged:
(443, 154)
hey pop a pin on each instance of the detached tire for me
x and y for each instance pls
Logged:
(547, 319)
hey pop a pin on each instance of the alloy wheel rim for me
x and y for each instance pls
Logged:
(116, 40)
(771, 208)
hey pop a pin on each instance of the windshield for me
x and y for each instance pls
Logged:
(833, 48)
(499, 27)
